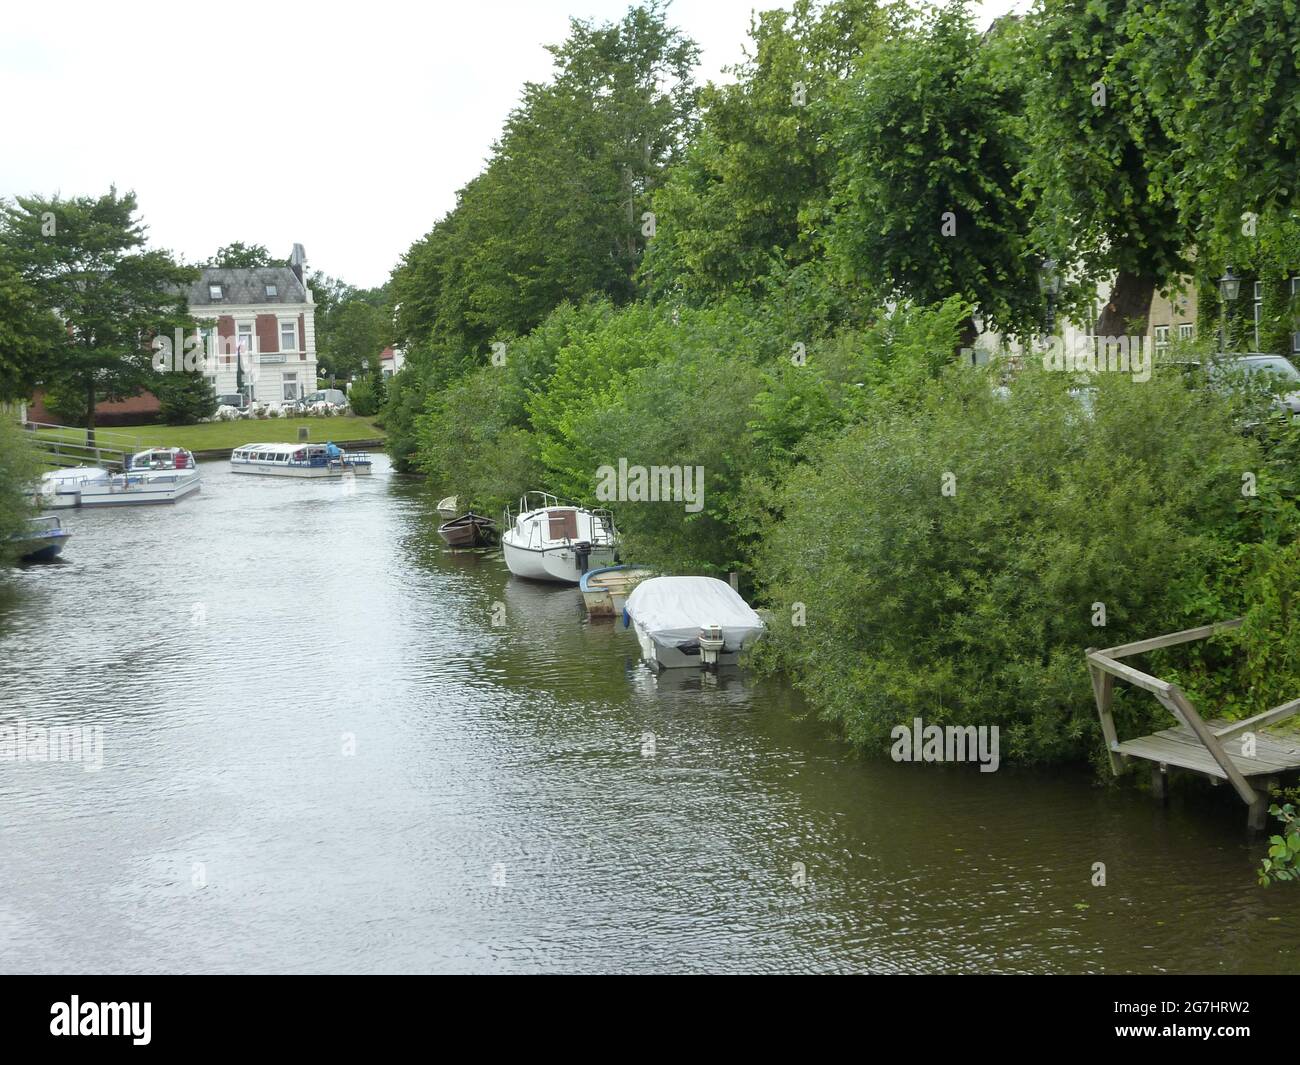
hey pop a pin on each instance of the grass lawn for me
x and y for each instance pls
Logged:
(225, 434)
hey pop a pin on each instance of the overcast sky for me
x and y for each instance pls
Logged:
(345, 128)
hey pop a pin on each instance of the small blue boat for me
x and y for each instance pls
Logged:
(43, 541)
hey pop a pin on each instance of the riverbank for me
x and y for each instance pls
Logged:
(219, 438)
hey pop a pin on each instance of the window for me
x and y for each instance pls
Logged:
(244, 339)
(291, 386)
(214, 292)
(272, 292)
(1186, 331)
(1162, 338)
(289, 336)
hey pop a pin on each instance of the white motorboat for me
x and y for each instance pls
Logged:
(93, 486)
(550, 540)
(691, 621)
(299, 460)
(43, 540)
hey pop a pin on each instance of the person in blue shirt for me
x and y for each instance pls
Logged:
(332, 451)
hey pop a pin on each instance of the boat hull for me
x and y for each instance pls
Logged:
(558, 564)
(468, 531)
(662, 656)
(312, 472)
(115, 495)
(605, 590)
(42, 548)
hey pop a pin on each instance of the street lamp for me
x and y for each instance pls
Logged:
(1049, 283)
(1229, 289)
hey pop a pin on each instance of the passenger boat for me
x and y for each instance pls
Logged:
(469, 530)
(605, 590)
(691, 621)
(161, 458)
(299, 460)
(550, 540)
(43, 540)
(93, 486)
(447, 507)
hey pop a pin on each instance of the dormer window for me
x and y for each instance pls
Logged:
(272, 292)
(214, 292)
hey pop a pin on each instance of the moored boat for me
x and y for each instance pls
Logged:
(469, 530)
(42, 541)
(447, 507)
(551, 540)
(605, 590)
(299, 460)
(691, 621)
(93, 486)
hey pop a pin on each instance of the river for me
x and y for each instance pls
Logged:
(321, 754)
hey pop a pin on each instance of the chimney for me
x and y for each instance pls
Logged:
(298, 262)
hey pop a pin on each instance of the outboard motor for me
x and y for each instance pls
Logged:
(582, 551)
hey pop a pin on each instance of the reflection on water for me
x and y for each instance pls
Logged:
(333, 744)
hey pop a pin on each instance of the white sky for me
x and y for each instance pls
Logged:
(347, 128)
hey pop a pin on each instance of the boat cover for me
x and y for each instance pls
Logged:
(672, 610)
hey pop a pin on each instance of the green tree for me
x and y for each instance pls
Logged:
(1094, 144)
(357, 334)
(754, 183)
(184, 397)
(1222, 80)
(29, 334)
(18, 470)
(239, 255)
(85, 259)
(930, 145)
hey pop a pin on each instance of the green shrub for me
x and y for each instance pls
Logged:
(18, 471)
(970, 598)
(363, 398)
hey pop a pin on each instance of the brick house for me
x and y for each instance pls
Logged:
(267, 314)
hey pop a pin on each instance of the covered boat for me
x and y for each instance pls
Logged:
(469, 530)
(447, 507)
(551, 540)
(42, 541)
(161, 458)
(299, 460)
(92, 486)
(691, 621)
(605, 590)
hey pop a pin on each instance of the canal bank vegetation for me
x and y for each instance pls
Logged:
(18, 470)
(775, 282)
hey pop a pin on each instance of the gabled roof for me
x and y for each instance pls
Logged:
(247, 285)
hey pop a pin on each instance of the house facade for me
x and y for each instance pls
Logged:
(260, 324)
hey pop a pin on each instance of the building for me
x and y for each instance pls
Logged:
(390, 361)
(260, 324)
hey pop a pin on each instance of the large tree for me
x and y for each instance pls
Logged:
(1223, 79)
(558, 212)
(237, 255)
(927, 202)
(85, 260)
(1095, 144)
(29, 333)
(754, 184)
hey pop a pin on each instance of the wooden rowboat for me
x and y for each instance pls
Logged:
(469, 530)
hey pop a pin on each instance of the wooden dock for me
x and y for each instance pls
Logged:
(1240, 752)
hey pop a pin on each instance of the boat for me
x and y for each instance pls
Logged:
(161, 458)
(469, 530)
(447, 507)
(43, 540)
(691, 621)
(299, 460)
(94, 486)
(605, 590)
(552, 540)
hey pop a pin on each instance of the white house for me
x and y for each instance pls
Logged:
(265, 314)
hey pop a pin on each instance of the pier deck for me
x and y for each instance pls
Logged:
(1258, 748)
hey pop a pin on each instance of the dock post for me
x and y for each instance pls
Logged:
(1257, 818)
(1160, 782)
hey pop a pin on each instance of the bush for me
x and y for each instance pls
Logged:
(184, 398)
(363, 398)
(18, 471)
(948, 560)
